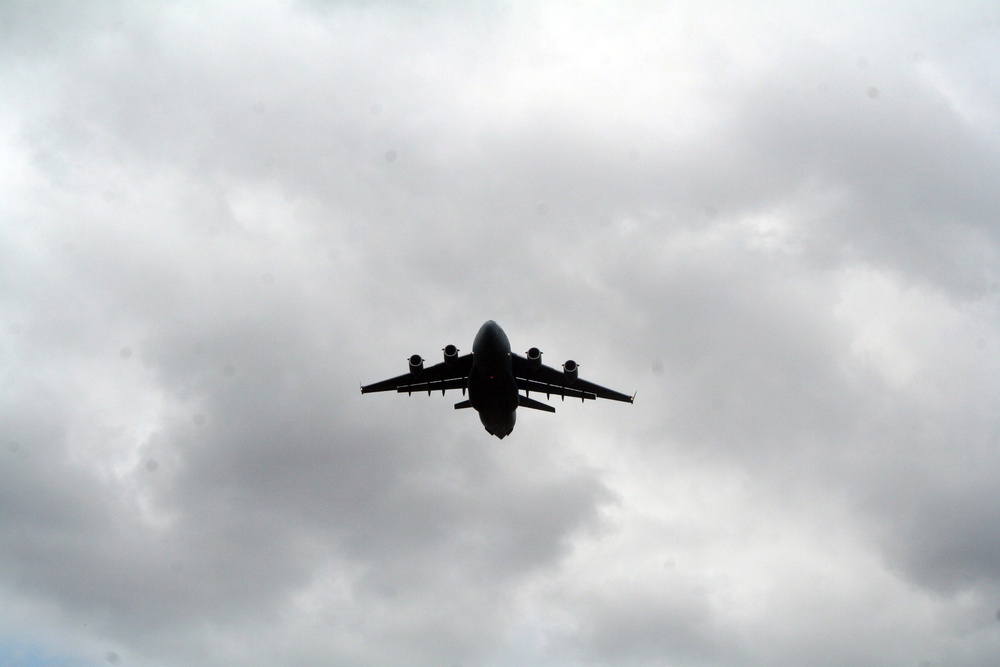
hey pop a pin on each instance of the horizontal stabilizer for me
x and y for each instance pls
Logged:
(525, 402)
(463, 404)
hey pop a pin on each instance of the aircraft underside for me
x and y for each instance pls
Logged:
(494, 378)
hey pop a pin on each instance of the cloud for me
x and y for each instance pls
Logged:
(775, 225)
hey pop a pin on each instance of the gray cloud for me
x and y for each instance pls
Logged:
(776, 225)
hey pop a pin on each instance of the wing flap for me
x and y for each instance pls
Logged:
(553, 389)
(438, 385)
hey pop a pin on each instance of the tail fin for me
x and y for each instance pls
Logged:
(525, 402)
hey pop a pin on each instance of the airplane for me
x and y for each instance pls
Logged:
(494, 378)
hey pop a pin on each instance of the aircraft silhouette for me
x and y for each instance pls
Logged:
(494, 378)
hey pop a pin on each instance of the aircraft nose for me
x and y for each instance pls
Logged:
(487, 333)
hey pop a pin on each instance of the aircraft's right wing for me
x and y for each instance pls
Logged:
(450, 374)
(544, 379)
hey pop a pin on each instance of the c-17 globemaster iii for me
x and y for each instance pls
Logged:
(494, 378)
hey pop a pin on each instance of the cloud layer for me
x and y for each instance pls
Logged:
(778, 225)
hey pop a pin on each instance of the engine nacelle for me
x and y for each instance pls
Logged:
(570, 371)
(534, 356)
(450, 354)
(416, 364)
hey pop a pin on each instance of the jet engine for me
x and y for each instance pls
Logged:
(416, 364)
(450, 354)
(570, 370)
(534, 356)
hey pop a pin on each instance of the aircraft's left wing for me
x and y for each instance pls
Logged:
(452, 374)
(544, 379)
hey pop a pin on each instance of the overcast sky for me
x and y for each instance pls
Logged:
(778, 222)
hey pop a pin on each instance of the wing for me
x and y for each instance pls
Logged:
(547, 380)
(441, 377)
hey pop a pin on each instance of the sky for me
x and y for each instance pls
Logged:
(777, 222)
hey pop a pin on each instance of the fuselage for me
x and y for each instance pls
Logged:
(492, 387)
